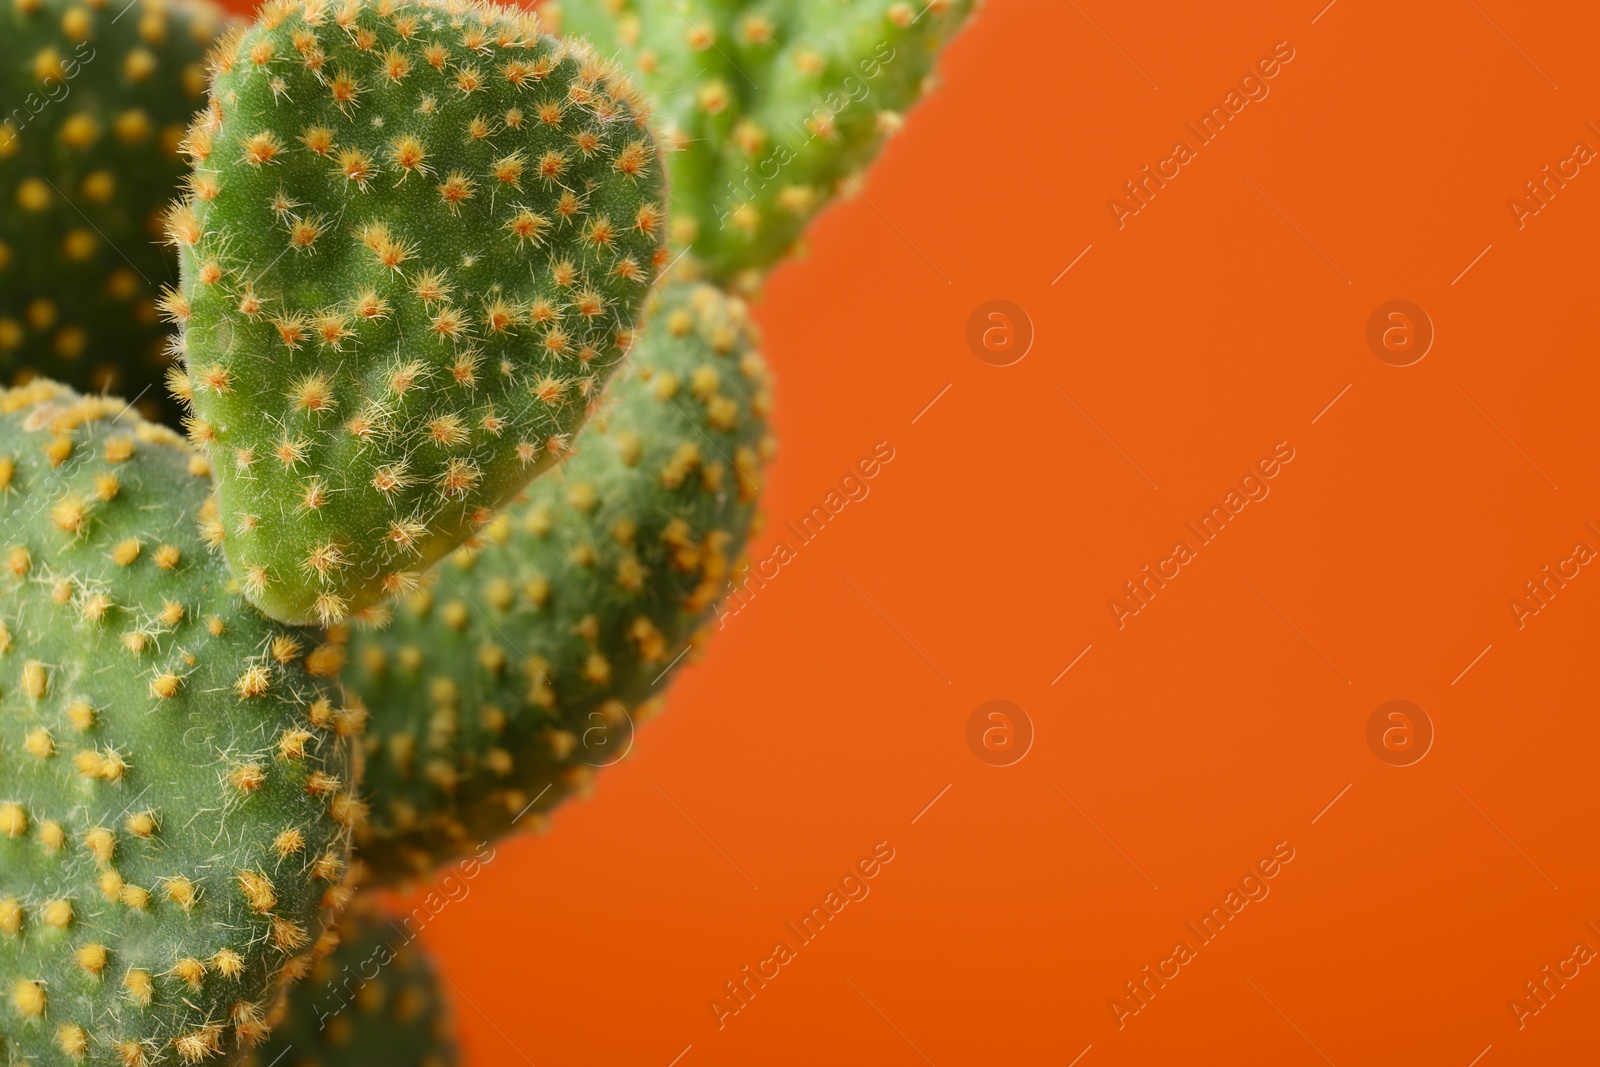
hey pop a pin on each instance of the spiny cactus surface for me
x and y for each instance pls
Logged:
(505, 684)
(175, 804)
(96, 95)
(375, 1001)
(417, 240)
(767, 106)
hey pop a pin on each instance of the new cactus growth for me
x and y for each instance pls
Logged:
(768, 107)
(417, 240)
(496, 692)
(375, 1001)
(175, 770)
(96, 98)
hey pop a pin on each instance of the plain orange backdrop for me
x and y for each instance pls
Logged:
(1231, 712)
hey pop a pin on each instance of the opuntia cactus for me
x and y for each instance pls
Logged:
(97, 97)
(375, 1001)
(767, 106)
(496, 691)
(175, 770)
(417, 240)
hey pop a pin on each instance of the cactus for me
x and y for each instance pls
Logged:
(417, 240)
(175, 811)
(768, 106)
(375, 1000)
(497, 691)
(97, 99)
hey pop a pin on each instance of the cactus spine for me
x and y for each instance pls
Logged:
(97, 97)
(175, 804)
(499, 690)
(417, 240)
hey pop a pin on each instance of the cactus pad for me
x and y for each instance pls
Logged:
(175, 810)
(97, 96)
(375, 1001)
(417, 241)
(767, 106)
(526, 665)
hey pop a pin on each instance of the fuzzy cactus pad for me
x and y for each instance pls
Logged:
(175, 769)
(498, 690)
(417, 239)
(97, 95)
(769, 108)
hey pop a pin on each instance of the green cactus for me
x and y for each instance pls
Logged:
(498, 690)
(417, 241)
(375, 1001)
(175, 810)
(768, 106)
(98, 96)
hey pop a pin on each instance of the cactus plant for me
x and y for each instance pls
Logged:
(417, 240)
(375, 1000)
(498, 690)
(97, 98)
(768, 106)
(175, 804)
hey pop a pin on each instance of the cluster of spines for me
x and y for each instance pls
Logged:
(97, 99)
(416, 242)
(175, 795)
(527, 665)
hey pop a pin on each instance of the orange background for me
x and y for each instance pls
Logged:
(1230, 712)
